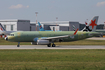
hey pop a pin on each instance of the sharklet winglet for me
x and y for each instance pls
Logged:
(75, 32)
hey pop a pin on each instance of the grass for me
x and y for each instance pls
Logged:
(79, 42)
(52, 59)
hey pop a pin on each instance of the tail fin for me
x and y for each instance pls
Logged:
(74, 28)
(1, 31)
(40, 27)
(92, 25)
(2, 28)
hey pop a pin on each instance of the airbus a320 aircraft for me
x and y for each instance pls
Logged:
(49, 37)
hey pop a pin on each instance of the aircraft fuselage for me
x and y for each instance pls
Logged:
(30, 36)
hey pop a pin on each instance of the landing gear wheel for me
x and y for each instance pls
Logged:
(18, 44)
(49, 45)
(53, 45)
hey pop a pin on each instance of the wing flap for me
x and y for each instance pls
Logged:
(58, 37)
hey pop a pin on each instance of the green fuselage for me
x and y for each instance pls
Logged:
(29, 36)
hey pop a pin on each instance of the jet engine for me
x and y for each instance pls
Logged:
(40, 42)
(43, 42)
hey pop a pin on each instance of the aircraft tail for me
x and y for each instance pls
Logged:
(2, 28)
(74, 28)
(40, 27)
(92, 25)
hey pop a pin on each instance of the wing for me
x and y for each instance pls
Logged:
(58, 37)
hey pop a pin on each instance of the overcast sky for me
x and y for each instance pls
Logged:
(48, 10)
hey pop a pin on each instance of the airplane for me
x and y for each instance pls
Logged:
(74, 28)
(41, 28)
(86, 28)
(3, 32)
(49, 37)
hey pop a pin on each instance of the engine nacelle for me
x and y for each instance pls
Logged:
(42, 42)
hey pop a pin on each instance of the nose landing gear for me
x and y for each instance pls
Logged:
(18, 44)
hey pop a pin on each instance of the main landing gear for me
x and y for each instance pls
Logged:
(18, 44)
(53, 45)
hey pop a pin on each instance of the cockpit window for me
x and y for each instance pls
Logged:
(11, 34)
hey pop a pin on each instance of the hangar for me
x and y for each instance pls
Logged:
(62, 25)
(16, 25)
(56, 25)
(26, 25)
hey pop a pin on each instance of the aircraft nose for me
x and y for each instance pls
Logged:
(9, 38)
(6, 38)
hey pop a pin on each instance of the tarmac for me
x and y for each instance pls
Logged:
(96, 38)
(57, 47)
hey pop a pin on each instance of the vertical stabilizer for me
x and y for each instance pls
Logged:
(74, 28)
(92, 25)
(40, 27)
(2, 28)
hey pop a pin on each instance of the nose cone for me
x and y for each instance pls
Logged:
(9, 38)
(6, 38)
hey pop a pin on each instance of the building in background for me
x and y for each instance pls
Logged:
(33, 26)
(16, 25)
(100, 26)
(57, 25)
(26, 25)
